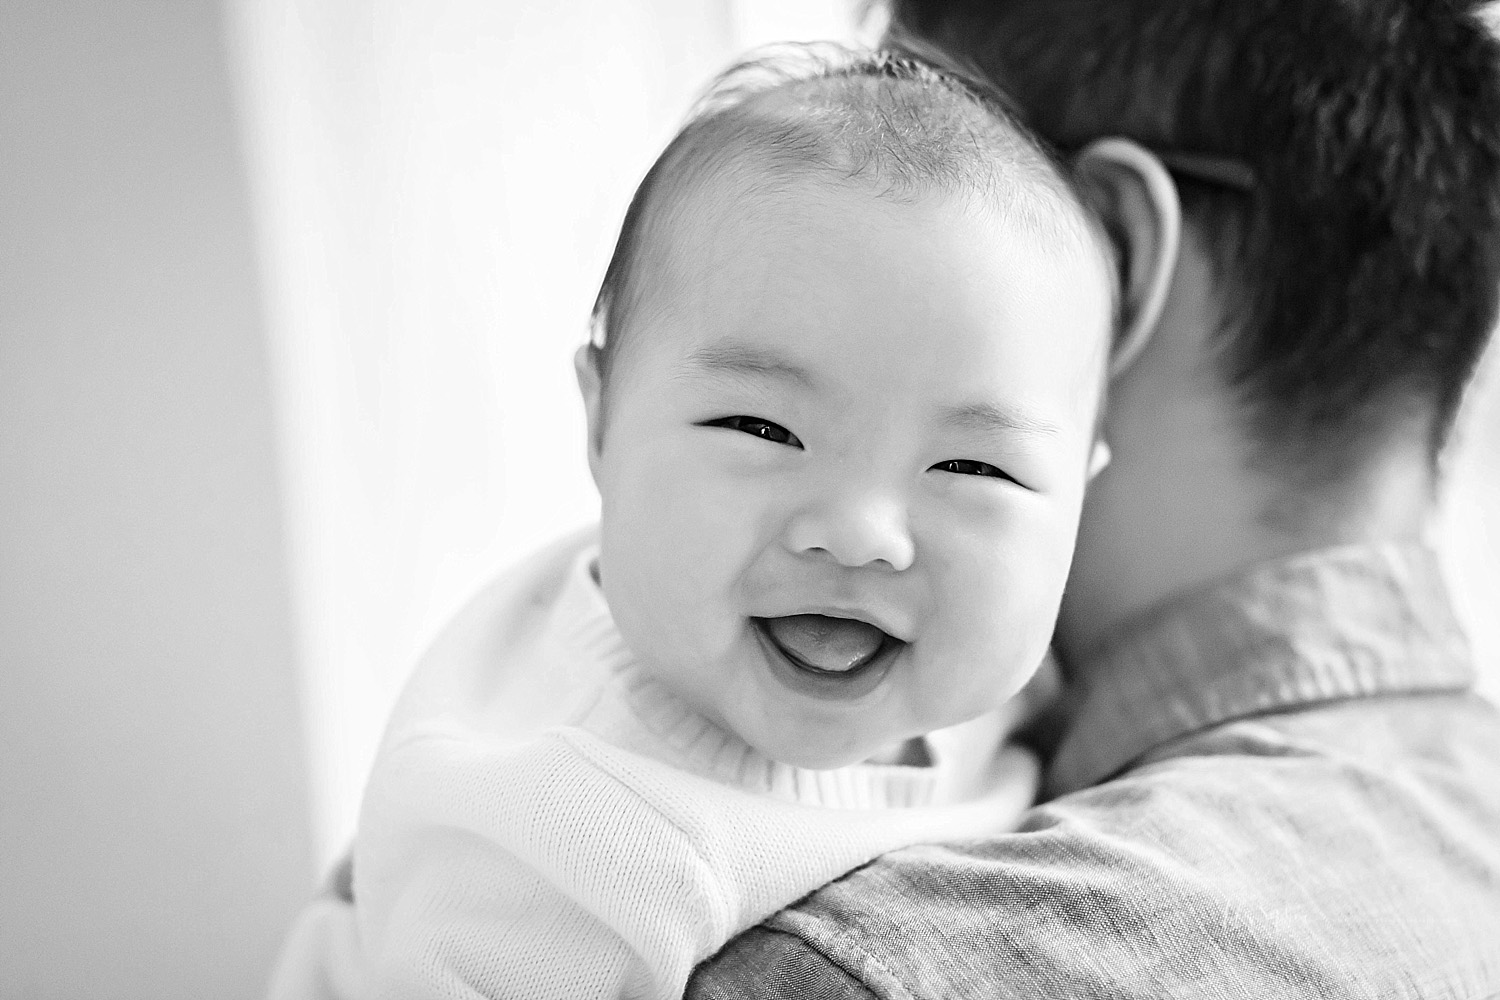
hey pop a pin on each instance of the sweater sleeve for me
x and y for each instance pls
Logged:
(525, 872)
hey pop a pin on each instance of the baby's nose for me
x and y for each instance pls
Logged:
(855, 530)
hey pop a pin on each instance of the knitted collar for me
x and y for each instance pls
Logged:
(723, 756)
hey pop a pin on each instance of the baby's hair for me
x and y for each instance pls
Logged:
(899, 125)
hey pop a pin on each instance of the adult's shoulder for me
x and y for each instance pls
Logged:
(1351, 849)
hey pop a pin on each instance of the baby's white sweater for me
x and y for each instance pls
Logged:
(544, 820)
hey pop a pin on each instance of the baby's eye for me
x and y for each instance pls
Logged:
(756, 427)
(969, 467)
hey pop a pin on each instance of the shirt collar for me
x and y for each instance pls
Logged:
(1344, 622)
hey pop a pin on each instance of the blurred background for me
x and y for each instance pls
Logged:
(288, 295)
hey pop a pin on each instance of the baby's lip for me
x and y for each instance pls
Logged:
(869, 616)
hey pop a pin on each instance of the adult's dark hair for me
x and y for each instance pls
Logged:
(1360, 269)
(900, 125)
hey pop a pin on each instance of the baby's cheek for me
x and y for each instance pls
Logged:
(1005, 611)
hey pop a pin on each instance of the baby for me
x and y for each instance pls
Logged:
(842, 405)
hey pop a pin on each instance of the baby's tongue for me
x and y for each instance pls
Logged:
(826, 643)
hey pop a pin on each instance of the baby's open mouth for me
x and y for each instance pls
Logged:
(823, 644)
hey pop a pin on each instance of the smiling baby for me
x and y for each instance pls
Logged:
(842, 406)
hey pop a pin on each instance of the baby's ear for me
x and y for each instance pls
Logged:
(1137, 199)
(1099, 457)
(591, 388)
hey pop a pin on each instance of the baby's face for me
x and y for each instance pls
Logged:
(842, 462)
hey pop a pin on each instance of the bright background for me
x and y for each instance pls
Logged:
(289, 291)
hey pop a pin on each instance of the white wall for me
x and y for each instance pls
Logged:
(153, 838)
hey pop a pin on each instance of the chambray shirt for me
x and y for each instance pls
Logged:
(1279, 787)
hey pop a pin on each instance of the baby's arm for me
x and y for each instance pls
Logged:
(526, 872)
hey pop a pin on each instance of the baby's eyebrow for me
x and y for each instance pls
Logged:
(993, 418)
(746, 360)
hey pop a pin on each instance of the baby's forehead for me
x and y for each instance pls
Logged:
(789, 252)
(706, 220)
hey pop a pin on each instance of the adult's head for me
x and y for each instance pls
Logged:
(1322, 196)
(853, 342)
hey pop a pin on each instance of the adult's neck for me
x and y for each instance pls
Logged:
(1189, 500)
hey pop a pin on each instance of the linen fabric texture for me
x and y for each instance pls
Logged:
(1281, 786)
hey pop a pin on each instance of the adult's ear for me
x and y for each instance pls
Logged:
(591, 388)
(1133, 192)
